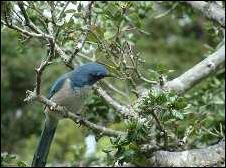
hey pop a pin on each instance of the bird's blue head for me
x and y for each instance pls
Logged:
(88, 74)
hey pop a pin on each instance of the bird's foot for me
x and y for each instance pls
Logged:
(53, 107)
(80, 120)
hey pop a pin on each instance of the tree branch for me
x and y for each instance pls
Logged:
(210, 10)
(160, 125)
(25, 32)
(28, 22)
(39, 71)
(125, 111)
(198, 72)
(113, 88)
(65, 113)
(36, 32)
(82, 39)
(192, 76)
(66, 58)
(210, 156)
(63, 10)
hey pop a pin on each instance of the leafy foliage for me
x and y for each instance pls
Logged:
(155, 110)
(9, 160)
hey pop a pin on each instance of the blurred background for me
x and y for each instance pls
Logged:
(176, 41)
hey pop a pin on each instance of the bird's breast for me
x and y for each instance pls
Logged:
(71, 98)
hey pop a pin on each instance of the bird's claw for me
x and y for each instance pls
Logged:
(53, 107)
(80, 120)
(79, 123)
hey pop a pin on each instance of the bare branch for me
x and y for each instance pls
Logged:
(193, 75)
(125, 111)
(146, 80)
(29, 23)
(198, 72)
(23, 11)
(39, 34)
(166, 12)
(210, 10)
(210, 156)
(62, 11)
(89, 12)
(52, 11)
(25, 32)
(160, 125)
(110, 86)
(95, 127)
(82, 40)
(40, 70)
(65, 113)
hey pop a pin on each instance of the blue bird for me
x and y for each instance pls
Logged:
(69, 90)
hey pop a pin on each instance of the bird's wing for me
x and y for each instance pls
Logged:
(57, 86)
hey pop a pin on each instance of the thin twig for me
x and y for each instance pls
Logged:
(62, 11)
(31, 5)
(114, 88)
(21, 30)
(160, 125)
(210, 10)
(40, 70)
(83, 38)
(167, 11)
(28, 22)
(125, 111)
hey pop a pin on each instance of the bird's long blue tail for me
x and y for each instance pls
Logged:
(47, 135)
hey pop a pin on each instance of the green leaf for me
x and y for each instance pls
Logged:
(161, 99)
(99, 32)
(154, 75)
(92, 38)
(109, 35)
(21, 163)
(177, 114)
(160, 68)
(70, 11)
(7, 157)
(79, 8)
(136, 20)
(180, 103)
(96, 35)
